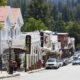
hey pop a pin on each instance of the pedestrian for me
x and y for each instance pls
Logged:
(15, 65)
(19, 63)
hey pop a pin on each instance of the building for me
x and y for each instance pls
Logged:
(50, 46)
(6, 22)
(63, 38)
(11, 21)
(34, 58)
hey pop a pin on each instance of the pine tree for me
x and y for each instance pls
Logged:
(40, 9)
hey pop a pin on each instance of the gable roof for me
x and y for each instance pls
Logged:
(4, 10)
(15, 13)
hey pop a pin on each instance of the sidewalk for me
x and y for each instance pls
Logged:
(4, 74)
(37, 70)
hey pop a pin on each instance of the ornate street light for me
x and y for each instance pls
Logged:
(10, 45)
(10, 70)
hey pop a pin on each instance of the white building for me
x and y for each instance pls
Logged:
(56, 46)
(51, 46)
(51, 42)
(34, 57)
(6, 21)
(11, 20)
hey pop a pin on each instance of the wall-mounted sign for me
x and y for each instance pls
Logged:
(42, 38)
(28, 44)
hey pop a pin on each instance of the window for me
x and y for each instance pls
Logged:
(53, 46)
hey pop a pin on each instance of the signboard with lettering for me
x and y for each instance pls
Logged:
(28, 44)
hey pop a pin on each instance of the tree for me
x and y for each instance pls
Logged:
(34, 24)
(1, 26)
(59, 26)
(40, 9)
(55, 12)
(3, 2)
(60, 6)
(78, 13)
(16, 3)
(65, 14)
(73, 28)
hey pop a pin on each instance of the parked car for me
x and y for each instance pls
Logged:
(76, 61)
(70, 59)
(65, 61)
(52, 63)
(60, 62)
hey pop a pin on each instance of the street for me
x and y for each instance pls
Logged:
(68, 72)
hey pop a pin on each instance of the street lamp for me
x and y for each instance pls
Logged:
(10, 45)
(10, 69)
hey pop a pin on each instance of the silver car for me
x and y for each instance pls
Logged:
(52, 63)
(76, 61)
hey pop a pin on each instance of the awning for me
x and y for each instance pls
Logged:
(18, 45)
(47, 49)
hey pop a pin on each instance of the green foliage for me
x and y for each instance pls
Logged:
(16, 3)
(40, 9)
(1, 26)
(3, 2)
(59, 26)
(33, 24)
(78, 46)
(73, 28)
(78, 12)
(58, 17)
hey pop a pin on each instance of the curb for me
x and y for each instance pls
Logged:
(13, 75)
(33, 71)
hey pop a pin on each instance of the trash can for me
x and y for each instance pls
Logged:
(0, 65)
(10, 68)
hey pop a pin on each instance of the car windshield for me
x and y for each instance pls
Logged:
(50, 60)
(59, 60)
(75, 58)
(78, 58)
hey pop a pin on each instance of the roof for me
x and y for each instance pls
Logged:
(47, 31)
(4, 10)
(35, 36)
(15, 13)
(62, 33)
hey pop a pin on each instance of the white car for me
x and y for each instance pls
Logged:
(52, 63)
(76, 61)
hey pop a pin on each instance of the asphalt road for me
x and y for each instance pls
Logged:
(68, 72)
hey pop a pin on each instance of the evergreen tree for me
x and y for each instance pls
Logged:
(59, 26)
(78, 12)
(16, 3)
(40, 9)
(73, 28)
(55, 12)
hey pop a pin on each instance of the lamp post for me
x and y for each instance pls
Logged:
(10, 66)
(10, 45)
